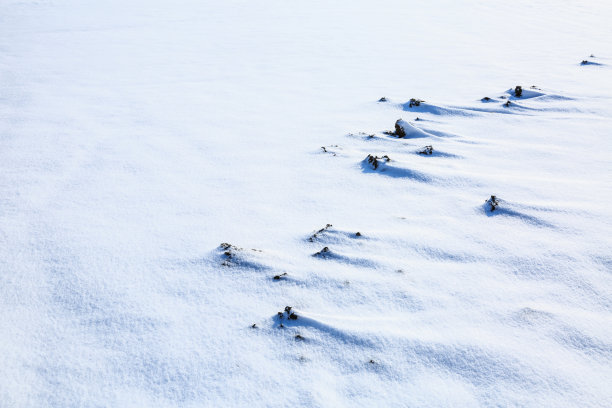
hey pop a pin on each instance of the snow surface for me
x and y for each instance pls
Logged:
(137, 136)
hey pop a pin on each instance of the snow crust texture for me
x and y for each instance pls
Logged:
(211, 204)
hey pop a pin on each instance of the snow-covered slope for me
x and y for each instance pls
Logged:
(136, 137)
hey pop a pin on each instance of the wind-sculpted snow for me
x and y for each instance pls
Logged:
(531, 101)
(343, 258)
(331, 235)
(435, 110)
(309, 325)
(214, 204)
(424, 152)
(511, 210)
(404, 129)
(390, 169)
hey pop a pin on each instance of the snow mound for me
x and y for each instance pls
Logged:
(385, 166)
(495, 206)
(439, 110)
(524, 93)
(404, 129)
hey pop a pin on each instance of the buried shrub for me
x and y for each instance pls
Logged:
(362, 134)
(229, 253)
(325, 149)
(281, 276)
(323, 253)
(518, 91)
(492, 203)
(427, 150)
(383, 99)
(399, 129)
(374, 160)
(287, 313)
(404, 129)
(414, 102)
(231, 256)
(316, 234)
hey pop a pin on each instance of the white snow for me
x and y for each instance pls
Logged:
(136, 137)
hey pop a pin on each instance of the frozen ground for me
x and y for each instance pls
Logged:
(137, 136)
